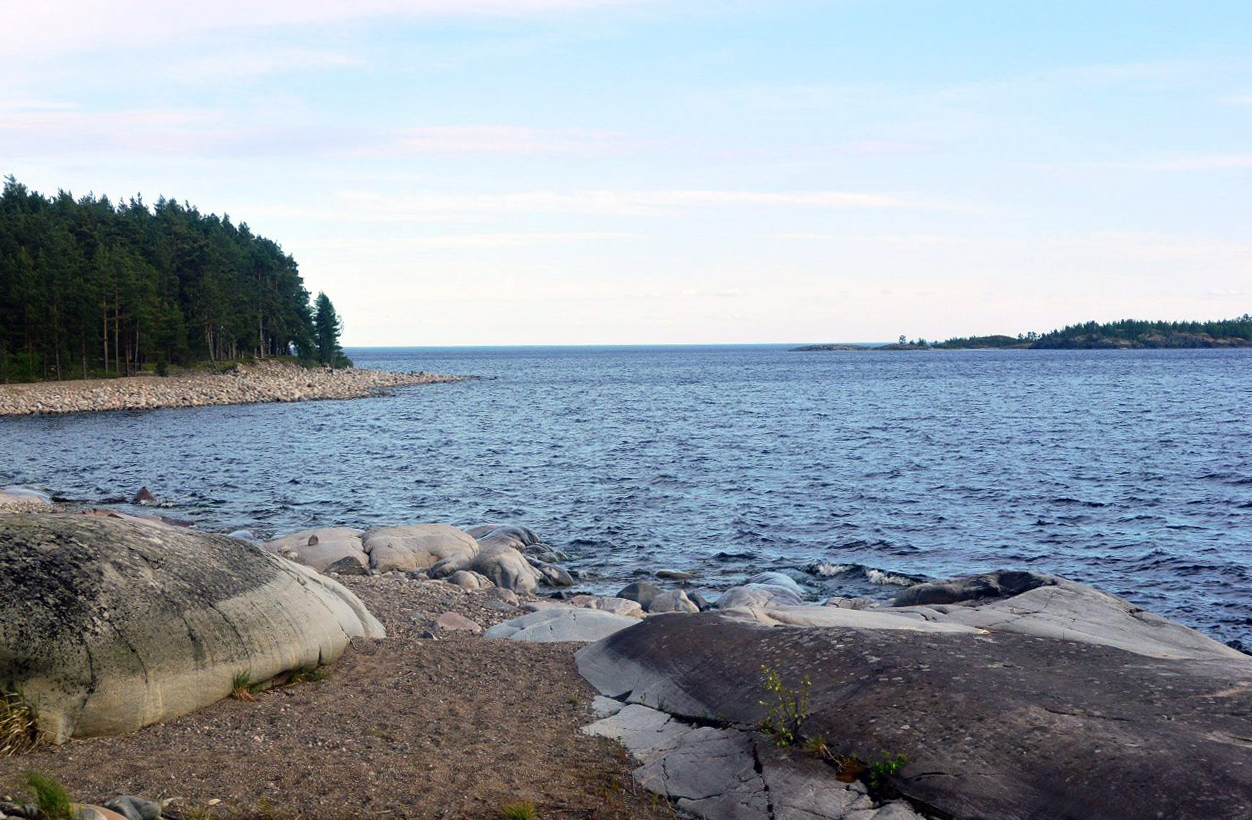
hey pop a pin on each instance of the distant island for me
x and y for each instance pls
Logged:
(1125, 334)
(89, 289)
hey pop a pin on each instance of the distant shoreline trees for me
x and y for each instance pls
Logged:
(1127, 333)
(89, 288)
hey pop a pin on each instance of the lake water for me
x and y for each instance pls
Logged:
(1131, 471)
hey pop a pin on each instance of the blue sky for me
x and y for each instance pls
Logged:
(609, 171)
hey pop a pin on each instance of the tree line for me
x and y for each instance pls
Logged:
(91, 288)
(1135, 333)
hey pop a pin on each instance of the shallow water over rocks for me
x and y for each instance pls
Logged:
(1131, 471)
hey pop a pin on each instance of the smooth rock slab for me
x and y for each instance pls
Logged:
(995, 725)
(560, 624)
(111, 623)
(730, 773)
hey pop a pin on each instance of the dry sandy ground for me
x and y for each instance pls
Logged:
(408, 727)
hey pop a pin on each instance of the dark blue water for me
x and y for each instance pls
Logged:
(1128, 470)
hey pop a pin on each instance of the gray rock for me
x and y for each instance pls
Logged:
(641, 592)
(851, 603)
(776, 579)
(470, 581)
(247, 536)
(674, 600)
(672, 575)
(544, 553)
(521, 536)
(1057, 608)
(415, 546)
(507, 596)
(144, 496)
(555, 576)
(114, 623)
(727, 772)
(603, 707)
(618, 606)
(699, 600)
(759, 595)
(503, 565)
(455, 622)
(25, 497)
(134, 808)
(995, 724)
(1002, 584)
(561, 624)
(348, 565)
(321, 548)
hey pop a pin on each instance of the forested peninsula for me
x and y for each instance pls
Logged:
(90, 289)
(1125, 334)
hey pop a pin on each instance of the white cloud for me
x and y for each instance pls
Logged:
(501, 139)
(366, 206)
(467, 240)
(1195, 162)
(51, 27)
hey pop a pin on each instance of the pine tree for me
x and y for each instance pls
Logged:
(327, 326)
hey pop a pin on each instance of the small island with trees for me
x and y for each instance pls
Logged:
(1121, 335)
(93, 289)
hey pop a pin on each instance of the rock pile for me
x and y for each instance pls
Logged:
(487, 556)
(262, 381)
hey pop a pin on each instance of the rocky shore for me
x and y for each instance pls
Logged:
(258, 382)
(458, 686)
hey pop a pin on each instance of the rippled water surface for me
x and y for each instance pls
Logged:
(1128, 470)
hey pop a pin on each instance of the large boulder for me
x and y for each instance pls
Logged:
(111, 623)
(322, 548)
(1002, 713)
(1049, 607)
(503, 565)
(759, 596)
(415, 546)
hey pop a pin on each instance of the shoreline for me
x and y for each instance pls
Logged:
(261, 382)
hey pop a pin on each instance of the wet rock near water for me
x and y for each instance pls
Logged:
(259, 382)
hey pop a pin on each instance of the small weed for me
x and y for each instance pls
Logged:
(306, 674)
(19, 724)
(816, 747)
(50, 796)
(242, 688)
(518, 811)
(786, 709)
(573, 699)
(884, 769)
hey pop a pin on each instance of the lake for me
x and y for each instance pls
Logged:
(1129, 470)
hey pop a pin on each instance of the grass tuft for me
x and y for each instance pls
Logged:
(518, 811)
(242, 688)
(307, 674)
(19, 724)
(50, 796)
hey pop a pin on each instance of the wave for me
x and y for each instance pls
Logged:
(861, 572)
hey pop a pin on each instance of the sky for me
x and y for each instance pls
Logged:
(493, 172)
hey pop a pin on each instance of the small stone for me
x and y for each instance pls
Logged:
(134, 808)
(427, 635)
(455, 622)
(506, 595)
(673, 575)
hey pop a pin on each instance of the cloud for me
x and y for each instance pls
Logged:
(48, 29)
(236, 65)
(1195, 162)
(499, 139)
(374, 207)
(470, 240)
